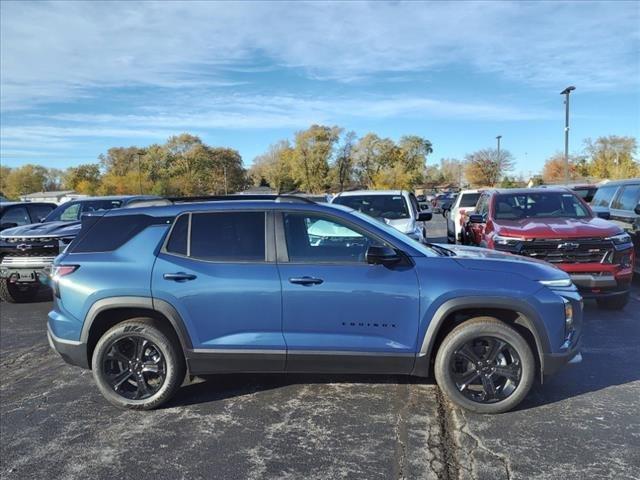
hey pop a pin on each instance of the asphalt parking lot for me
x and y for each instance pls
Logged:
(582, 423)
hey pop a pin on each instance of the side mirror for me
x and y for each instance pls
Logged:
(424, 216)
(382, 255)
(4, 226)
(637, 209)
(605, 214)
(476, 218)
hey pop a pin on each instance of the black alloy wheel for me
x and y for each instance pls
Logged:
(486, 369)
(134, 367)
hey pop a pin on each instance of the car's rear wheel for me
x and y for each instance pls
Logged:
(18, 292)
(614, 303)
(485, 366)
(138, 365)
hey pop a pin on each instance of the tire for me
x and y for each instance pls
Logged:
(12, 293)
(515, 357)
(124, 342)
(614, 303)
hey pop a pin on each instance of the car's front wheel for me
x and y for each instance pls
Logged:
(485, 366)
(138, 365)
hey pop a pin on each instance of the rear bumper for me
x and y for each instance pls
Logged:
(72, 352)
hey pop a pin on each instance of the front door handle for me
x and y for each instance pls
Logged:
(179, 276)
(306, 280)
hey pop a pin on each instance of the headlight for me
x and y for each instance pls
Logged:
(564, 282)
(620, 239)
(506, 241)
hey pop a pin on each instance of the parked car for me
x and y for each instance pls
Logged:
(556, 226)
(620, 200)
(144, 295)
(443, 202)
(27, 251)
(585, 191)
(464, 205)
(15, 214)
(397, 208)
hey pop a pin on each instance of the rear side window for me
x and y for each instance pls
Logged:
(228, 236)
(603, 196)
(15, 215)
(628, 198)
(469, 199)
(178, 240)
(38, 212)
(109, 233)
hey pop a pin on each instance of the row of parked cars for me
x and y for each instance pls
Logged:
(596, 244)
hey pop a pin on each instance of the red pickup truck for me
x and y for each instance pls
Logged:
(556, 226)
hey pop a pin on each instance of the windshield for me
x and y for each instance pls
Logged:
(539, 205)
(469, 199)
(70, 212)
(391, 207)
(429, 252)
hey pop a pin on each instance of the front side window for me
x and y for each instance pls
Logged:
(17, 216)
(628, 198)
(38, 212)
(70, 212)
(228, 236)
(603, 196)
(539, 205)
(317, 239)
(391, 207)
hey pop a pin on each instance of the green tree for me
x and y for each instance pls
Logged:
(83, 178)
(343, 165)
(313, 149)
(371, 155)
(26, 179)
(4, 175)
(612, 157)
(274, 168)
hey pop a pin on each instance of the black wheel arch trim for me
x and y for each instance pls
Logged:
(148, 303)
(527, 317)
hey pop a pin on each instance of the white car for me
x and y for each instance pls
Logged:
(397, 208)
(465, 204)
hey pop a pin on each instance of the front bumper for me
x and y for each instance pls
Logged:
(553, 362)
(72, 352)
(26, 269)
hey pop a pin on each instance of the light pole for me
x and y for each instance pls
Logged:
(498, 139)
(566, 92)
(138, 155)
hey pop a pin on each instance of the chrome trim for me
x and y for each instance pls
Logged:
(257, 351)
(26, 262)
(576, 359)
(589, 280)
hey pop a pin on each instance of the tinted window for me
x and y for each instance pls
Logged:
(17, 215)
(414, 203)
(228, 236)
(38, 212)
(469, 199)
(628, 198)
(482, 205)
(320, 240)
(603, 196)
(539, 205)
(70, 212)
(178, 240)
(109, 233)
(585, 193)
(392, 207)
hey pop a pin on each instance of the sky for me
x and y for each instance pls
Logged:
(77, 78)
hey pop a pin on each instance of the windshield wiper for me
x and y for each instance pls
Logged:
(441, 250)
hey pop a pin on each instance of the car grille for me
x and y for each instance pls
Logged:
(31, 247)
(569, 251)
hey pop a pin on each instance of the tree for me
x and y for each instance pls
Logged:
(23, 180)
(312, 151)
(371, 155)
(343, 166)
(553, 171)
(4, 174)
(274, 168)
(612, 157)
(83, 178)
(486, 167)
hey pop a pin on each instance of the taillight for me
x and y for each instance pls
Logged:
(63, 270)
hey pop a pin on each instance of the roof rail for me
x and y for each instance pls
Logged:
(224, 198)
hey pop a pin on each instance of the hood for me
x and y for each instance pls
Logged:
(403, 225)
(477, 258)
(561, 228)
(37, 230)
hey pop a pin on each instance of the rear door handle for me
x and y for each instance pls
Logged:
(306, 280)
(179, 276)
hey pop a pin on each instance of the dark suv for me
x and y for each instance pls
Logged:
(145, 295)
(15, 214)
(27, 251)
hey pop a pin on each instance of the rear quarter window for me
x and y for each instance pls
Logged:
(627, 199)
(603, 196)
(110, 233)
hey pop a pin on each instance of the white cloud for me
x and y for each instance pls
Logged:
(59, 51)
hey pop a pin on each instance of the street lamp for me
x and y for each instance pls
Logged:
(498, 139)
(566, 92)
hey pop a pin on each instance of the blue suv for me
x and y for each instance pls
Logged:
(145, 296)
